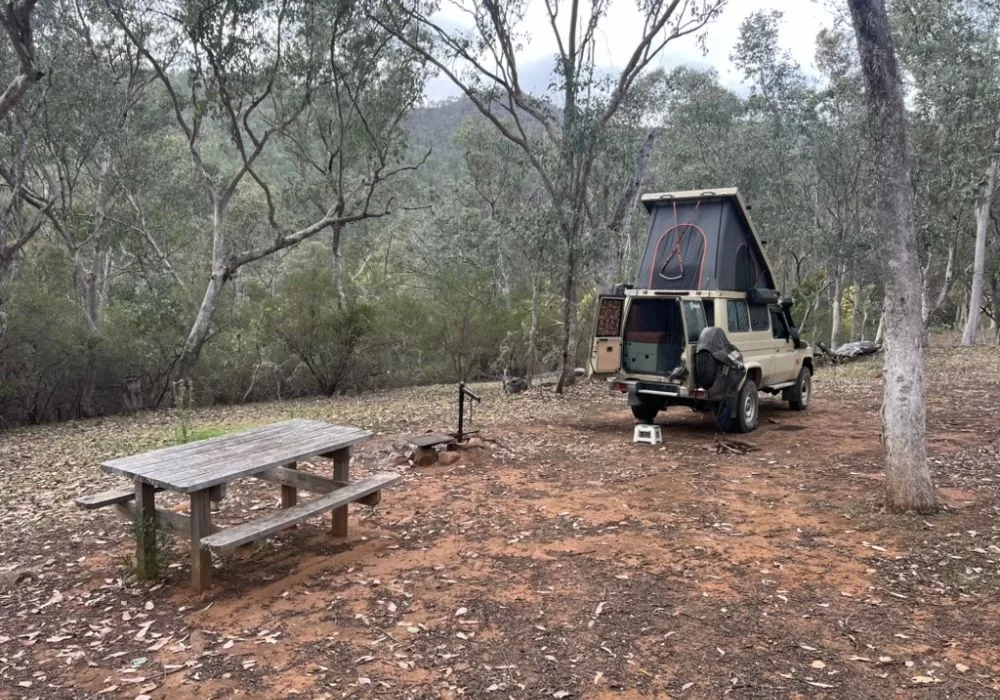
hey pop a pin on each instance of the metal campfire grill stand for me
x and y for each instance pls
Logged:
(462, 393)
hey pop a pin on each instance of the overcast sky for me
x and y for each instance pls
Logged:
(620, 31)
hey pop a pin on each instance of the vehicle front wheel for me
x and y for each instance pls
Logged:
(742, 413)
(798, 396)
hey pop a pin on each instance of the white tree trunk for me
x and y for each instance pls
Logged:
(880, 331)
(338, 267)
(995, 307)
(567, 370)
(202, 325)
(971, 331)
(908, 478)
(835, 326)
(856, 309)
(929, 306)
(533, 332)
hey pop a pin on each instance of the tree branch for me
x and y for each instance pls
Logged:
(16, 19)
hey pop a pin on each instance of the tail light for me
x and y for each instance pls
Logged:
(619, 386)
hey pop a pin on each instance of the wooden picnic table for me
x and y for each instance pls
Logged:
(200, 469)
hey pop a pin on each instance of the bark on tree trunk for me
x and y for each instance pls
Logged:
(971, 331)
(855, 308)
(4, 274)
(566, 373)
(533, 332)
(995, 307)
(929, 307)
(202, 325)
(621, 219)
(835, 326)
(16, 19)
(338, 267)
(908, 478)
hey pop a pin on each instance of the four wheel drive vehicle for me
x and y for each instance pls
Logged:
(685, 339)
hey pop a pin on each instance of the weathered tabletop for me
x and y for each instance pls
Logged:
(271, 453)
(200, 465)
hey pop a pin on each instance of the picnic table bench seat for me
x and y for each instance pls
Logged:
(232, 537)
(202, 469)
(112, 497)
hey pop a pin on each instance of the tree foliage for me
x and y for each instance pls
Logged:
(257, 194)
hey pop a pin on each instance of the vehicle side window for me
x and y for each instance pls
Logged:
(778, 326)
(694, 316)
(739, 316)
(758, 317)
(709, 305)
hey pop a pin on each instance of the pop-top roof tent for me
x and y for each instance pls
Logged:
(702, 240)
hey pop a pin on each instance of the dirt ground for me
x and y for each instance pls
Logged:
(558, 560)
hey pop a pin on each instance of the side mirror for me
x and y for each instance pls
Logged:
(793, 333)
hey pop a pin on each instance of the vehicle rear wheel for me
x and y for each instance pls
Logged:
(798, 396)
(742, 413)
(645, 410)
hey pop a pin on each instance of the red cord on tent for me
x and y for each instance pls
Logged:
(677, 250)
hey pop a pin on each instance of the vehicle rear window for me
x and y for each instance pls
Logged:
(739, 316)
(694, 316)
(709, 305)
(653, 320)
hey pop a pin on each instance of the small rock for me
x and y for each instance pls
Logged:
(474, 442)
(449, 457)
(539, 555)
(15, 578)
(425, 457)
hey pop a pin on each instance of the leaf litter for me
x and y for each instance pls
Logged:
(653, 559)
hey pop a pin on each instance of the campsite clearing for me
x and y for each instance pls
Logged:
(560, 560)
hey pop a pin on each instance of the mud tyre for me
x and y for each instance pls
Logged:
(741, 414)
(646, 412)
(798, 396)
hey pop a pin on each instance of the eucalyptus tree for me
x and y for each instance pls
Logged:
(843, 202)
(782, 177)
(904, 417)
(483, 62)
(15, 17)
(952, 50)
(251, 71)
(16, 228)
(703, 128)
(625, 158)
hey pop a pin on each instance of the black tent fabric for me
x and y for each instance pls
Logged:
(702, 242)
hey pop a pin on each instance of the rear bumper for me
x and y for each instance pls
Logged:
(669, 392)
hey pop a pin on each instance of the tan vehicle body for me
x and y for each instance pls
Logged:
(772, 361)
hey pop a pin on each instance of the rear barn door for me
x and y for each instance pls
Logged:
(606, 353)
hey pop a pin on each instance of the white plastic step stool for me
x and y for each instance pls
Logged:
(648, 434)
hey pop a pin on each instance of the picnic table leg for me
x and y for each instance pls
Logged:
(289, 494)
(201, 526)
(341, 473)
(145, 528)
